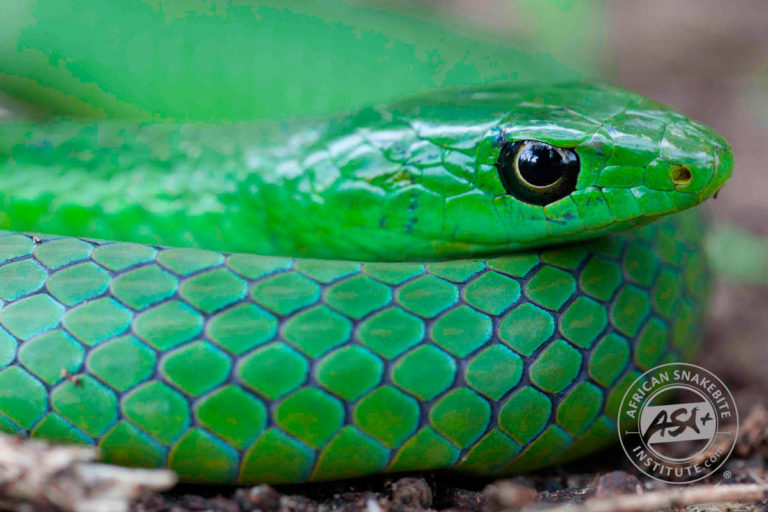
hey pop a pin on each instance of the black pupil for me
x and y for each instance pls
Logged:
(540, 164)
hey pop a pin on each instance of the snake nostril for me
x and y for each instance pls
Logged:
(680, 175)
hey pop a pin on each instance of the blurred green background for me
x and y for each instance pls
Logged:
(246, 59)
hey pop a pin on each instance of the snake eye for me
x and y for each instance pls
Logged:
(537, 172)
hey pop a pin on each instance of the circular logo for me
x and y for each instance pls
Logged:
(678, 423)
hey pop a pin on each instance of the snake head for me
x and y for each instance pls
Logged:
(521, 167)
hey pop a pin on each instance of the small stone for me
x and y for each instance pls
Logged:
(262, 498)
(617, 483)
(507, 494)
(413, 492)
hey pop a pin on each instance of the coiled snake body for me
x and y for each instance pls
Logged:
(440, 282)
(416, 350)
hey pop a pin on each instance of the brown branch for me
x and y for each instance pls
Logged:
(668, 498)
(65, 477)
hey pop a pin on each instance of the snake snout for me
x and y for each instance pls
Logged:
(698, 160)
(723, 168)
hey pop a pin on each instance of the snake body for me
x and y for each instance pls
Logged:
(241, 368)
(404, 346)
(327, 298)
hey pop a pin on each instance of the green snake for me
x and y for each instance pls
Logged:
(463, 279)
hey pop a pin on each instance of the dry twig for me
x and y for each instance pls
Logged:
(65, 477)
(667, 498)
